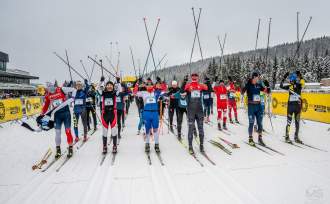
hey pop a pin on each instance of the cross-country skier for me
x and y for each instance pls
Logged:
(109, 115)
(195, 110)
(54, 97)
(173, 106)
(79, 108)
(207, 100)
(294, 103)
(220, 91)
(150, 113)
(182, 108)
(91, 106)
(232, 100)
(139, 86)
(253, 88)
(121, 94)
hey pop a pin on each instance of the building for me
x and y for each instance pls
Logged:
(14, 81)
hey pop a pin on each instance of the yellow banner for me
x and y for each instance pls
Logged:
(10, 109)
(33, 106)
(315, 106)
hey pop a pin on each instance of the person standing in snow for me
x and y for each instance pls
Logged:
(121, 94)
(294, 103)
(253, 88)
(79, 109)
(56, 98)
(91, 106)
(220, 91)
(207, 100)
(173, 106)
(195, 110)
(150, 114)
(182, 108)
(232, 100)
(109, 115)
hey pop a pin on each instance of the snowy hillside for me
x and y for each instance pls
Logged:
(248, 175)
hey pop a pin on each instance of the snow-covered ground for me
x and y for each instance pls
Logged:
(246, 176)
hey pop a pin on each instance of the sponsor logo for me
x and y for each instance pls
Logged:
(2, 111)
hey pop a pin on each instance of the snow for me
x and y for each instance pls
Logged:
(247, 176)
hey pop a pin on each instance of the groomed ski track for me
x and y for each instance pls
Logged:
(247, 176)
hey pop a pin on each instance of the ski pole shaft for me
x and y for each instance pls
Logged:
(67, 59)
(82, 64)
(100, 65)
(65, 62)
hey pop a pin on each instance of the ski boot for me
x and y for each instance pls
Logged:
(157, 148)
(251, 142)
(58, 152)
(201, 148)
(179, 137)
(297, 140)
(147, 148)
(287, 140)
(70, 152)
(231, 121)
(171, 128)
(219, 126)
(236, 121)
(76, 139)
(85, 139)
(191, 150)
(105, 150)
(255, 128)
(261, 142)
(138, 133)
(114, 149)
(224, 126)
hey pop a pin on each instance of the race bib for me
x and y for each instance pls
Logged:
(118, 99)
(262, 100)
(57, 102)
(223, 96)
(195, 94)
(183, 102)
(79, 102)
(256, 98)
(294, 98)
(232, 95)
(89, 99)
(206, 96)
(150, 100)
(108, 102)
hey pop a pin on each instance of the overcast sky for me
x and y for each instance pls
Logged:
(30, 31)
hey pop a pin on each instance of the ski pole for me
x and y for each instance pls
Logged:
(65, 62)
(150, 47)
(90, 78)
(67, 59)
(102, 67)
(82, 64)
(133, 61)
(196, 27)
(197, 34)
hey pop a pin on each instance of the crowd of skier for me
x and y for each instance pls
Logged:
(153, 98)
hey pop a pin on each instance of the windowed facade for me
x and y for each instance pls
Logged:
(3, 66)
(15, 80)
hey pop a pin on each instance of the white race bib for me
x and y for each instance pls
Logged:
(195, 94)
(294, 98)
(262, 100)
(256, 98)
(57, 102)
(89, 99)
(232, 95)
(183, 102)
(150, 100)
(223, 96)
(108, 102)
(79, 102)
(118, 99)
(206, 96)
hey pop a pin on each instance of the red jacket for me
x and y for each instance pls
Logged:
(221, 93)
(53, 99)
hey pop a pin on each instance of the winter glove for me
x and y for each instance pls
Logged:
(286, 75)
(102, 78)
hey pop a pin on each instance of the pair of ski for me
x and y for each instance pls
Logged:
(56, 159)
(204, 154)
(305, 145)
(112, 160)
(260, 147)
(158, 156)
(220, 146)
(43, 160)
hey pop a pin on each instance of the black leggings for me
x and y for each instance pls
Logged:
(91, 110)
(293, 109)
